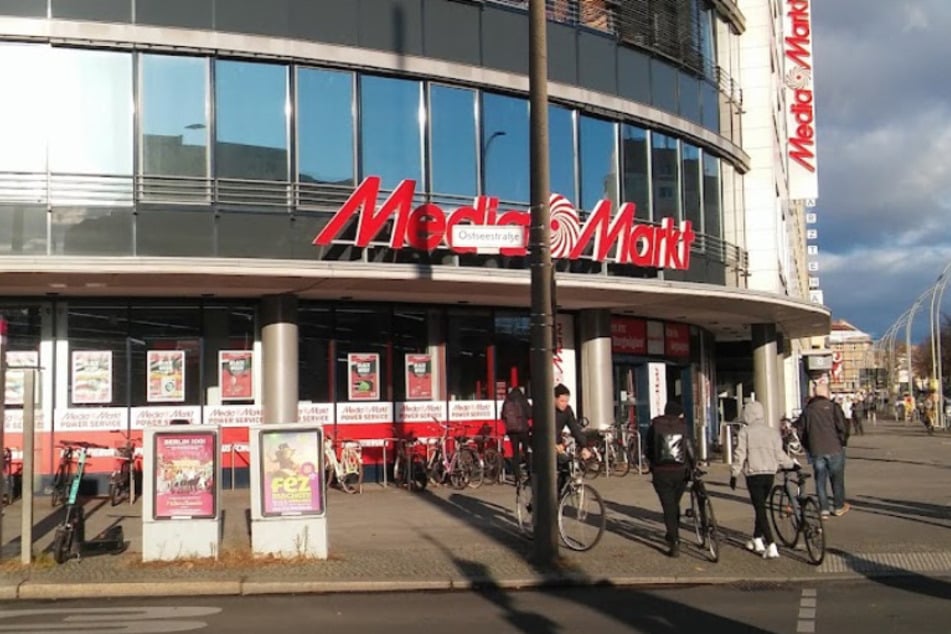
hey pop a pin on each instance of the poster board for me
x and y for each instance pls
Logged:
(185, 473)
(292, 474)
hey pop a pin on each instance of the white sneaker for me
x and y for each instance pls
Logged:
(756, 545)
(771, 552)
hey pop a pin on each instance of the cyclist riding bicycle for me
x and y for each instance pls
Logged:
(565, 417)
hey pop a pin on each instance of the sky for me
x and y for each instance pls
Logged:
(883, 109)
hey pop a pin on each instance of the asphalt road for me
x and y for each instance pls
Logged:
(917, 604)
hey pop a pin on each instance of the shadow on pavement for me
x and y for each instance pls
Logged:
(920, 512)
(897, 461)
(898, 578)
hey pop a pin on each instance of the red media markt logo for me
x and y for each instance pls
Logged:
(602, 236)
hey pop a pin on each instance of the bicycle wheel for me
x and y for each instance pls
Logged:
(523, 506)
(783, 514)
(711, 531)
(813, 532)
(491, 465)
(399, 470)
(581, 517)
(352, 476)
(460, 469)
(418, 476)
(60, 486)
(618, 459)
(592, 466)
(62, 544)
(638, 463)
(120, 485)
(476, 468)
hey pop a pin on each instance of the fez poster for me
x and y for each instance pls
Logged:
(419, 377)
(166, 378)
(290, 465)
(364, 376)
(185, 468)
(235, 374)
(92, 376)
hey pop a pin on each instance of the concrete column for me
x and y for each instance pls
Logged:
(765, 370)
(597, 381)
(781, 387)
(279, 343)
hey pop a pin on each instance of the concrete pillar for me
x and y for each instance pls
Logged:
(279, 343)
(597, 380)
(781, 387)
(765, 370)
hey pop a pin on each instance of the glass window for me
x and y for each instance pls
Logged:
(391, 119)
(513, 351)
(23, 117)
(325, 127)
(636, 174)
(598, 161)
(691, 181)
(665, 174)
(712, 225)
(91, 121)
(467, 354)
(505, 161)
(363, 331)
(23, 229)
(561, 152)
(418, 354)
(165, 354)
(688, 95)
(251, 107)
(229, 331)
(315, 339)
(173, 107)
(97, 355)
(452, 141)
(710, 106)
(91, 231)
(707, 43)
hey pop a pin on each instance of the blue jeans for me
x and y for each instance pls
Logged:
(830, 466)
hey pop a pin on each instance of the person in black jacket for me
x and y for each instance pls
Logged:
(825, 434)
(672, 460)
(565, 417)
(516, 413)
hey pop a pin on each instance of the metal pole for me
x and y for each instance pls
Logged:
(940, 404)
(542, 281)
(26, 514)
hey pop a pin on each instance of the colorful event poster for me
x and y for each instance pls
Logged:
(185, 468)
(290, 472)
(234, 373)
(14, 385)
(419, 377)
(166, 378)
(92, 376)
(364, 384)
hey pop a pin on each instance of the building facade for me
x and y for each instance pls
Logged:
(853, 363)
(179, 176)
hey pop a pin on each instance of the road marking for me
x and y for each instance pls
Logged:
(131, 620)
(807, 611)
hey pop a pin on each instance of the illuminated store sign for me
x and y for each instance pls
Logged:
(428, 226)
(800, 100)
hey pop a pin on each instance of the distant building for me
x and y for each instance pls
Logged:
(851, 357)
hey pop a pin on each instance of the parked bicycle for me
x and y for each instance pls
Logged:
(9, 477)
(701, 517)
(581, 514)
(486, 447)
(347, 470)
(70, 534)
(795, 513)
(616, 459)
(121, 480)
(595, 443)
(635, 450)
(459, 466)
(409, 466)
(59, 489)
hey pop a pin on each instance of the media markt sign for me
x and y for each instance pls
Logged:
(602, 237)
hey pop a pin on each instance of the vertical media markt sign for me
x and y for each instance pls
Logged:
(602, 237)
(800, 100)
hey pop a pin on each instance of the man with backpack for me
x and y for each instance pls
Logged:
(672, 460)
(516, 414)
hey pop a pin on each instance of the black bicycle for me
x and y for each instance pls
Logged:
(700, 515)
(794, 513)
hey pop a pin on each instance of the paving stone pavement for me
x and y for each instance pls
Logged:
(390, 539)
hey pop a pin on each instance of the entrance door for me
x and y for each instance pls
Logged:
(631, 405)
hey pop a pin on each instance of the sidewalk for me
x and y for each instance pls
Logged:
(389, 539)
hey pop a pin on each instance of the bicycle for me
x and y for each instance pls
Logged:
(59, 489)
(460, 467)
(795, 513)
(595, 439)
(409, 466)
(635, 450)
(581, 513)
(701, 517)
(70, 535)
(121, 480)
(346, 471)
(486, 449)
(616, 459)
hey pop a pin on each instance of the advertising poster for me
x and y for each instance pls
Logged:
(364, 384)
(290, 472)
(166, 376)
(13, 390)
(185, 467)
(419, 377)
(92, 376)
(234, 372)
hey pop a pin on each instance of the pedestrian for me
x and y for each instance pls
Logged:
(824, 434)
(565, 420)
(858, 415)
(759, 453)
(872, 408)
(516, 414)
(672, 460)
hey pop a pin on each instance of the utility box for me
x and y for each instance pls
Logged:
(288, 491)
(181, 509)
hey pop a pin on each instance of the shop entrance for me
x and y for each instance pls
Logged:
(633, 389)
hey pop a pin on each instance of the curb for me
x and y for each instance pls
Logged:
(28, 590)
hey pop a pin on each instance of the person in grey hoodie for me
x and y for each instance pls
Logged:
(759, 454)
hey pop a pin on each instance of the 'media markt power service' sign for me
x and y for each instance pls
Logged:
(428, 227)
